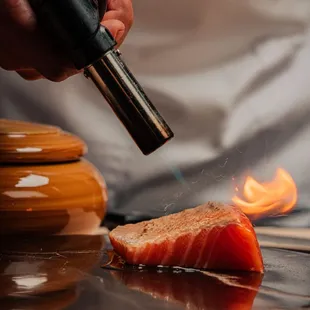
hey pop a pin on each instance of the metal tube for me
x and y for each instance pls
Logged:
(129, 102)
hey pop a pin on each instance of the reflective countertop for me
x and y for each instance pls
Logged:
(71, 273)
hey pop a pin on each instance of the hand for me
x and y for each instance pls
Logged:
(26, 50)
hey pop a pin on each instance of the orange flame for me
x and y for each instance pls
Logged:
(273, 198)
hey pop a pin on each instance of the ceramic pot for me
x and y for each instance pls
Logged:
(46, 187)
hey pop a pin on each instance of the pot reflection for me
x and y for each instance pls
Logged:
(35, 266)
(192, 289)
(59, 300)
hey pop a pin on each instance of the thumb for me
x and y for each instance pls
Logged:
(117, 29)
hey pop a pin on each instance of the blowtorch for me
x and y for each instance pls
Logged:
(75, 24)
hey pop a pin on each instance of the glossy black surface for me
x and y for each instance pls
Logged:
(39, 266)
(130, 103)
(75, 26)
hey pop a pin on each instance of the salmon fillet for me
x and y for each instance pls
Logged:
(212, 236)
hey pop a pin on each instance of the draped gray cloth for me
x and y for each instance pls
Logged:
(231, 77)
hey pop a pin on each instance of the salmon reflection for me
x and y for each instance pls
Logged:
(192, 289)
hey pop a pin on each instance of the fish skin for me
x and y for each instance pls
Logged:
(212, 236)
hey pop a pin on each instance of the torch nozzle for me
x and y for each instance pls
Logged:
(129, 102)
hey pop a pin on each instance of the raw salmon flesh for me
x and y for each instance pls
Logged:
(212, 236)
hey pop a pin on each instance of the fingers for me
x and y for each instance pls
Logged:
(123, 5)
(124, 9)
(18, 12)
(50, 63)
(28, 46)
(121, 11)
(32, 54)
(50, 60)
(117, 29)
(29, 74)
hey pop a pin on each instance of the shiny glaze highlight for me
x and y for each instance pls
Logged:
(23, 142)
(63, 199)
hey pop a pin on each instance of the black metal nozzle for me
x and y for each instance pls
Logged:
(76, 25)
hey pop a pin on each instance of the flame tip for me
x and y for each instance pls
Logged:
(275, 198)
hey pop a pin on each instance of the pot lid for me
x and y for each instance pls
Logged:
(24, 142)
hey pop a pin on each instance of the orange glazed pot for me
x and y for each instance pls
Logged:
(46, 186)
